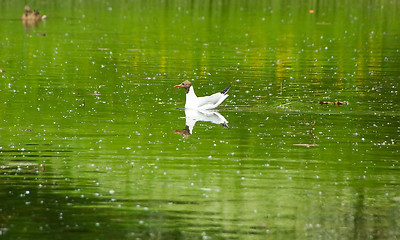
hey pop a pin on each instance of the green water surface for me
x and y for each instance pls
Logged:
(89, 120)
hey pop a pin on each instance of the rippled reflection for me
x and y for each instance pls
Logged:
(192, 116)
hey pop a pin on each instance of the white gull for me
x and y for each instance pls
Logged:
(207, 102)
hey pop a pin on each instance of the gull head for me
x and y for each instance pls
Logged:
(186, 85)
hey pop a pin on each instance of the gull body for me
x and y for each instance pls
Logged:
(207, 102)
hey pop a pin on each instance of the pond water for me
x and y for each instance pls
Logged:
(94, 142)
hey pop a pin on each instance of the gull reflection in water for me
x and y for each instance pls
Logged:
(193, 115)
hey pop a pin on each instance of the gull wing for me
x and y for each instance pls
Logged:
(214, 100)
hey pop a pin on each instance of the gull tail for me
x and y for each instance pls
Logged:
(226, 90)
(225, 124)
